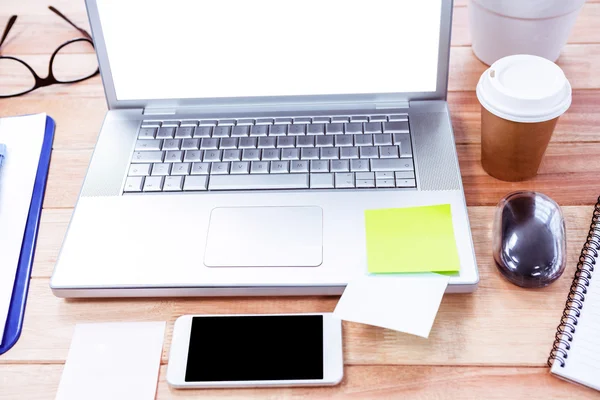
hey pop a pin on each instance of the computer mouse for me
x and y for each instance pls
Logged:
(529, 242)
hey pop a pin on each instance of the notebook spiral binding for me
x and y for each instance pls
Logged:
(576, 299)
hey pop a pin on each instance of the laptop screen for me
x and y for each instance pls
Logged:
(174, 49)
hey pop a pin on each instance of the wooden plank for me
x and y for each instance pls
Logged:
(579, 124)
(586, 29)
(518, 332)
(40, 382)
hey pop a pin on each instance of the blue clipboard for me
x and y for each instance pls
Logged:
(16, 311)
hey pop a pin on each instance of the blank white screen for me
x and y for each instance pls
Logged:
(237, 48)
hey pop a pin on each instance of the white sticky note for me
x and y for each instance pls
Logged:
(403, 303)
(23, 137)
(115, 361)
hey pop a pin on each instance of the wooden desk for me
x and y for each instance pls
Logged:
(489, 344)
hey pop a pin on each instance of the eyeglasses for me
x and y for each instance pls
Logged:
(67, 64)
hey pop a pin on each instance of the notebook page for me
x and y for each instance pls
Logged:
(583, 362)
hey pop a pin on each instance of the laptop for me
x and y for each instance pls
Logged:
(245, 139)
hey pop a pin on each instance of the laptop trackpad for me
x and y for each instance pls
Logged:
(265, 237)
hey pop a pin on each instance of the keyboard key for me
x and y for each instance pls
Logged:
(240, 131)
(308, 153)
(398, 117)
(334, 129)
(184, 132)
(270, 154)
(316, 129)
(173, 184)
(227, 122)
(359, 118)
(212, 155)
(305, 141)
(146, 133)
(344, 141)
(321, 181)
(406, 183)
(247, 143)
(392, 165)
(192, 156)
(373, 127)
(340, 119)
(378, 118)
(365, 175)
(281, 181)
(286, 142)
(290, 154)
(365, 183)
(219, 168)
(133, 184)
(384, 175)
(174, 156)
(359, 165)
(302, 120)
(208, 122)
(221, 131)
(330, 153)
(147, 157)
(324, 141)
(369, 152)
(209, 144)
(246, 121)
(297, 130)
(188, 123)
(403, 140)
(259, 167)
(190, 144)
(283, 121)
(195, 183)
(173, 124)
(319, 166)
(240, 167)
(200, 168)
(385, 183)
(354, 129)
(321, 120)
(139, 169)
(396, 127)
(278, 130)
(171, 144)
(180, 169)
(228, 143)
(160, 169)
(264, 121)
(348, 152)
(259, 130)
(388, 152)
(340, 166)
(344, 181)
(153, 184)
(165, 133)
(267, 142)
(232, 155)
(383, 139)
(148, 144)
(363, 140)
(299, 166)
(280, 167)
(251, 155)
(202, 132)
(405, 175)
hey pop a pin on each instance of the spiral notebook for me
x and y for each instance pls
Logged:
(575, 355)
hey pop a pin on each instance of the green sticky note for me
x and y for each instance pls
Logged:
(414, 239)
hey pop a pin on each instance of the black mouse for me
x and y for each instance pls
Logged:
(529, 241)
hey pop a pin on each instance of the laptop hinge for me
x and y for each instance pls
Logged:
(392, 105)
(161, 111)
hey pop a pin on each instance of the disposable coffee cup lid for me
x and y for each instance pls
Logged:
(524, 88)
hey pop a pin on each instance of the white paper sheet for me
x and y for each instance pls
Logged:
(23, 137)
(403, 303)
(113, 361)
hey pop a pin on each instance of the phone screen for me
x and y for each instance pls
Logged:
(255, 348)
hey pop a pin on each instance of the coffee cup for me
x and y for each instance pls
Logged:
(522, 97)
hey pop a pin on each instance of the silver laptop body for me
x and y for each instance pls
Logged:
(245, 139)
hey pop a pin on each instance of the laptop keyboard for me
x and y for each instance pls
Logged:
(337, 152)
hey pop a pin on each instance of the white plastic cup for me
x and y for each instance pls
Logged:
(522, 97)
(501, 28)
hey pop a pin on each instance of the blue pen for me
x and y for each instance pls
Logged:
(2, 153)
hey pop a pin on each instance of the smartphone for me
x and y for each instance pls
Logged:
(255, 350)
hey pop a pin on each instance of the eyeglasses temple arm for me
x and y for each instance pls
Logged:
(83, 31)
(9, 26)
